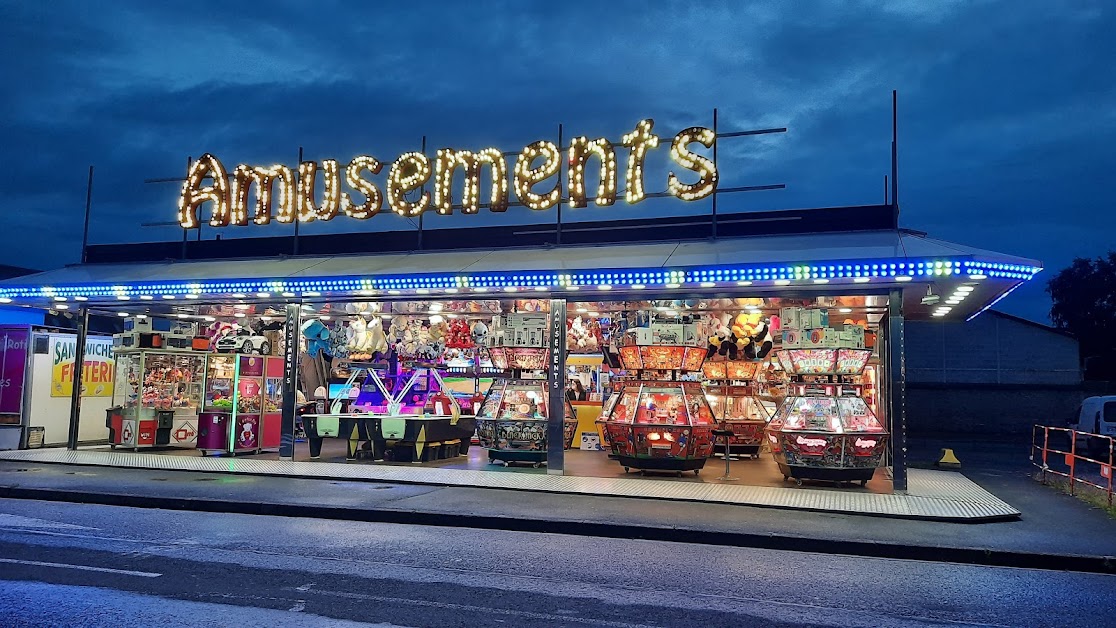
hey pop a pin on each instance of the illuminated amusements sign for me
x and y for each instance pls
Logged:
(298, 196)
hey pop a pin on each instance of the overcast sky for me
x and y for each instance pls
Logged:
(1007, 117)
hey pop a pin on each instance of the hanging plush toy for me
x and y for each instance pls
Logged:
(317, 337)
(479, 332)
(719, 338)
(762, 340)
(376, 341)
(743, 327)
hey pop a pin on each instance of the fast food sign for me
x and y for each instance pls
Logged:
(98, 370)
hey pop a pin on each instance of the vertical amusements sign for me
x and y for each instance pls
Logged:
(556, 388)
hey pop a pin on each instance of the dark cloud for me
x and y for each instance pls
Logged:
(1006, 107)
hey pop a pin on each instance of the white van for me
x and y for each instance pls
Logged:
(1096, 415)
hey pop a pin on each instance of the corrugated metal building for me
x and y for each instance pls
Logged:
(996, 374)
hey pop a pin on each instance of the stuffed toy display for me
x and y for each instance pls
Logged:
(580, 338)
(746, 336)
(459, 335)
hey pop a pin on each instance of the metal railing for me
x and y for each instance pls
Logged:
(1081, 457)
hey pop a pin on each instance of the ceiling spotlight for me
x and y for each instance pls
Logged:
(638, 286)
(708, 284)
(674, 285)
(845, 310)
(81, 298)
(240, 295)
(263, 295)
(288, 294)
(422, 290)
(168, 297)
(966, 288)
(930, 298)
(782, 282)
(904, 278)
(821, 281)
(122, 314)
(239, 315)
(743, 283)
(146, 297)
(192, 295)
(451, 290)
(61, 306)
(861, 279)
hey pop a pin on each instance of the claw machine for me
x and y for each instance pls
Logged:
(242, 409)
(156, 398)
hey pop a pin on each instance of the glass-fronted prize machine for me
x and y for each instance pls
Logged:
(512, 421)
(156, 399)
(658, 422)
(824, 430)
(242, 410)
(730, 388)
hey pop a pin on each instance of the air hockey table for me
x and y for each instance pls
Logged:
(420, 436)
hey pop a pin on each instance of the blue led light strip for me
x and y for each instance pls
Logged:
(896, 269)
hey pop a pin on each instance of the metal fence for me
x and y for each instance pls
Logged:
(1082, 457)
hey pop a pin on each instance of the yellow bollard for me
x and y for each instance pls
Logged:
(947, 460)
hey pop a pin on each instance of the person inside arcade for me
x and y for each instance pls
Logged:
(576, 392)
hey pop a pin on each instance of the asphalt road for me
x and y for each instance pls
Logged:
(70, 564)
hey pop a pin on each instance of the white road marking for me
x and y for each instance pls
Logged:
(482, 609)
(125, 572)
(17, 521)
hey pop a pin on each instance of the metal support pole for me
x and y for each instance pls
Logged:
(559, 235)
(556, 385)
(85, 232)
(895, 148)
(290, 380)
(296, 220)
(715, 189)
(185, 231)
(897, 399)
(422, 191)
(79, 363)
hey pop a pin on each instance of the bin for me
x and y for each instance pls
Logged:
(35, 437)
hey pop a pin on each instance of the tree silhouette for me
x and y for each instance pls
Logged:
(1084, 296)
